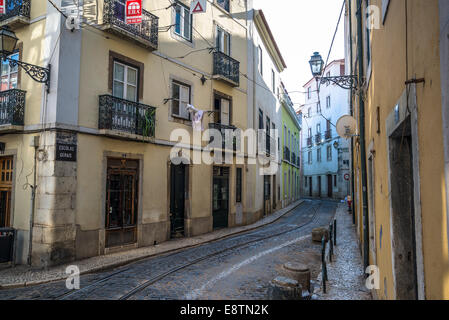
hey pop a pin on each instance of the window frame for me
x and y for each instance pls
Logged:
(9, 73)
(180, 85)
(125, 82)
(220, 44)
(182, 21)
(223, 7)
(328, 102)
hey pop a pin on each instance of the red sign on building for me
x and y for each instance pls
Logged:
(133, 11)
(2, 7)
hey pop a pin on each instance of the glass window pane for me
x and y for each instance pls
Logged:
(117, 90)
(187, 27)
(175, 107)
(178, 20)
(175, 91)
(119, 72)
(131, 93)
(5, 67)
(4, 85)
(132, 76)
(13, 81)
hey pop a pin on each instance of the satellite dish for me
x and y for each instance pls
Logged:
(346, 127)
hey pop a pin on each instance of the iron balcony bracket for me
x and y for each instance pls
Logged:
(345, 82)
(38, 74)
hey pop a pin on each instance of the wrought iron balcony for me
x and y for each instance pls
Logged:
(12, 107)
(17, 13)
(328, 135)
(318, 138)
(231, 139)
(226, 68)
(309, 141)
(144, 34)
(126, 116)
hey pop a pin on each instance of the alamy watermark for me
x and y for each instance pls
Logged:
(73, 280)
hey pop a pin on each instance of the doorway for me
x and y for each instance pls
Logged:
(403, 212)
(177, 199)
(6, 173)
(329, 186)
(310, 187)
(319, 186)
(220, 197)
(121, 202)
(267, 194)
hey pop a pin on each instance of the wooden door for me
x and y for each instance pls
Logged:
(6, 175)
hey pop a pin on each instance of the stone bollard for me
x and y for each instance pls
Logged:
(282, 288)
(299, 272)
(318, 233)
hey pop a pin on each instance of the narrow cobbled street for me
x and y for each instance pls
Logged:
(237, 267)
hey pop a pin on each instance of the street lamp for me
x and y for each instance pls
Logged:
(317, 65)
(8, 42)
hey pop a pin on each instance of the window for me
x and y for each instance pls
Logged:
(180, 99)
(328, 102)
(318, 155)
(222, 110)
(183, 22)
(328, 125)
(329, 153)
(285, 185)
(385, 4)
(260, 119)
(8, 74)
(119, 10)
(308, 93)
(309, 112)
(318, 128)
(224, 4)
(260, 60)
(238, 186)
(273, 81)
(328, 74)
(318, 108)
(309, 157)
(125, 82)
(310, 133)
(223, 41)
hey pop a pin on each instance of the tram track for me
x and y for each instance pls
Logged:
(314, 209)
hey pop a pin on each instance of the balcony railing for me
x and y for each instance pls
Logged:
(126, 116)
(309, 141)
(226, 68)
(12, 107)
(318, 138)
(17, 13)
(145, 33)
(328, 135)
(232, 138)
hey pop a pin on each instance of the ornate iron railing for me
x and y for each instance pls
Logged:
(126, 116)
(318, 138)
(328, 135)
(227, 67)
(309, 141)
(233, 136)
(19, 8)
(12, 107)
(114, 14)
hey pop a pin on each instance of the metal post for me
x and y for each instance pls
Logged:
(331, 244)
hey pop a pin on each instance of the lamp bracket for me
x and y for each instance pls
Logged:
(345, 82)
(38, 74)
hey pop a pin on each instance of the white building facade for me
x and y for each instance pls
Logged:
(325, 156)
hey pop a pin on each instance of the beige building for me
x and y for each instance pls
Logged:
(118, 92)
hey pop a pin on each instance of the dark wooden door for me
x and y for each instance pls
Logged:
(6, 173)
(220, 197)
(319, 187)
(329, 186)
(121, 205)
(177, 200)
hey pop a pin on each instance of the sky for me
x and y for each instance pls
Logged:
(301, 27)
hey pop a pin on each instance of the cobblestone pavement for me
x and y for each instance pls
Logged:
(237, 267)
(345, 273)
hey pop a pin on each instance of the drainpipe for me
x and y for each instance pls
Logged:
(362, 137)
(33, 200)
(351, 109)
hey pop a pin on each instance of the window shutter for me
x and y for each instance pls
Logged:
(185, 99)
(225, 112)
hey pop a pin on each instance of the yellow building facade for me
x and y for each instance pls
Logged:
(108, 127)
(399, 192)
